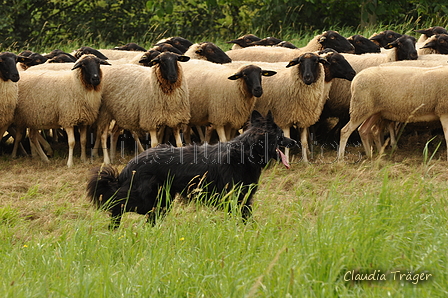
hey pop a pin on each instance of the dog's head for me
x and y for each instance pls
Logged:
(269, 139)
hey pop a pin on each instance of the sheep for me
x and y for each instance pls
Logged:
(164, 47)
(53, 99)
(427, 33)
(385, 37)
(243, 41)
(436, 44)
(338, 102)
(9, 76)
(145, 98)
(130, 47)
(207, 51)
(363, 45)
(375, 91)
(296, 95)
(222, 95)
(329, 39)
(33, 59)
(179, 42)
(88, 50)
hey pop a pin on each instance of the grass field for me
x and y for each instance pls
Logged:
(317, 229)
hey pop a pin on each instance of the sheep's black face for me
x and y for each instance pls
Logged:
(245, 41)
(251, 75)
(438, 42)
(8, 69)
(88, 50)
(213, 53)
(332, 39)
(337, 65)
(169, 68)
(308, 67)
(90, 70)
(432, 31)
(180, 43)
(405, 47)
(385, 37)
(363, 45)
(130, 47)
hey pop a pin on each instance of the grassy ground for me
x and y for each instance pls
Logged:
(317, 229)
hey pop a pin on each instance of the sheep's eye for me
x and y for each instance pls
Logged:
(442, 41)
(332, 37)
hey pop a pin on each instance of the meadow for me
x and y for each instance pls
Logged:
(317, 230)
(358, 228)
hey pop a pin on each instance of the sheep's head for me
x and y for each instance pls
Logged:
(334, 40)
(178, 42)
(384, 37)
(363, 45)
(337, 66)
(89, 66)
(130, 47)
(168, 67)
(405, 48)
(251, 75)
(432, 31)
(212, 53)
(245, 41)
(88, 50)
(438, 42)
(308, 67)
(8, 68)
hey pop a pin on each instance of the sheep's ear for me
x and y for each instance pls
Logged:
(268, 73)
(183, 58)
(293, 62)
(23, 59)
(429, 45)
(323, 60)
(199, 51)
(104, 62)
(153, 62)
(389, 46)
(235, 76)
(77, 65)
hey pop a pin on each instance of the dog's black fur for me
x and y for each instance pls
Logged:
(212, 169)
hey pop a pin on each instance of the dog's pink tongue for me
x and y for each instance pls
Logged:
(283, 158)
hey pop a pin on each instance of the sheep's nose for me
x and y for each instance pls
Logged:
(14, 77)
(413, 56)
(308, 79)
(258, 91)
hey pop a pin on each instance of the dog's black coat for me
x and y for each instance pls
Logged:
(214, 169)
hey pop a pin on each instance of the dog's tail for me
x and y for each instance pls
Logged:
(102, 186)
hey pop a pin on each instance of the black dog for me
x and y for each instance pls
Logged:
(149, 181)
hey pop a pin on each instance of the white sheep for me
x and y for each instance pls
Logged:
(9, 76)
(222, 95)
(338, 102)
(328, 39)
(53, 99)
(375, 92)
(207, 51)
(145, 98)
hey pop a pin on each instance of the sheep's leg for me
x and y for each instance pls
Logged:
(444, 121)
(46, 146)
(35, 142)
(201, 134)
(114, 134)
(393, 128)
(208, 133)
(71, 144)
(17, 140)
(287, 134)
(104, 133)
(366, 134)
(96, 145)
(176, 132)
(138, 144)
(221, 133)
(187, 134)
(154, 140)
(83, 141)
(346, 131)
(304, 143)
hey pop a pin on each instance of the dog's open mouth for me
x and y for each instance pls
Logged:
(283, 158)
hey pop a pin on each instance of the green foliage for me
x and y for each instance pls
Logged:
(35, 23)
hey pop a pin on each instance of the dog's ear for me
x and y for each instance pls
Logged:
(270, 117)
(256, 117)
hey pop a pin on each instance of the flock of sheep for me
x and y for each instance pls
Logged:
(187, 89)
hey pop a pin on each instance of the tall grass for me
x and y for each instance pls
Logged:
(312, 227)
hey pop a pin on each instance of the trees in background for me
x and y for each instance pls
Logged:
(35, 23)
